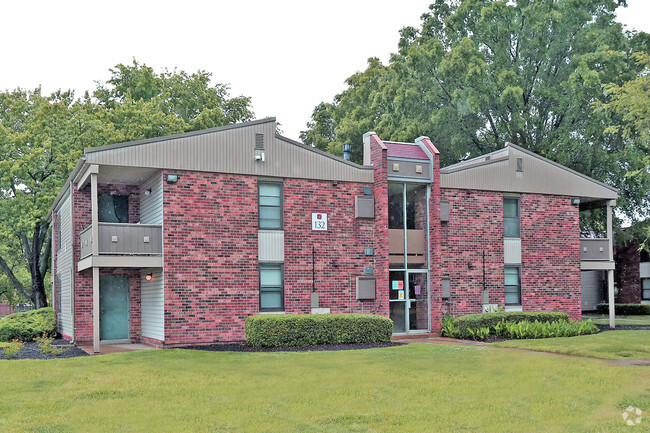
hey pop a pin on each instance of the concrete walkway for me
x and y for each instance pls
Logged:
(433, 339)
(116, 348)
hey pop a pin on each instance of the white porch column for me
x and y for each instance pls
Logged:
(94, 206)
(610, 273)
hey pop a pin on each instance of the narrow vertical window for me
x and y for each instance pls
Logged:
(271, 287)
(645, 286)
(511, 219)
(513, 285)
(270, 206)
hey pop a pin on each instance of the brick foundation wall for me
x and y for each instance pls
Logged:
(628, 277)
(550, 251)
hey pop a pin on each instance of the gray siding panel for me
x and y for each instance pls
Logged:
(271, 245)
(233, 151)
(65, 267)
(153, 305)
(151, 206)
(499, 173)
(592, 289)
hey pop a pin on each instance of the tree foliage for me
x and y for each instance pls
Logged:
(42, 137)
(480, 73)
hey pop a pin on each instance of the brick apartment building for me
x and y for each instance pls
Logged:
(176, 240)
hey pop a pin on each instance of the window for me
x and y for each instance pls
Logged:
(270, 206)
(645, 289)
(113, 208)
(513, 285)
(511, 224)
(271, 287)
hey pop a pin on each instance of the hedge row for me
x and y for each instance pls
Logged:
(490, 320)
(625, 309)
(309, 329)
(28, 325)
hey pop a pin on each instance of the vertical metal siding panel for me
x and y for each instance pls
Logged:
(152, 304)
(151, 205)
(232, 151)
(64, 266)
(271, 245)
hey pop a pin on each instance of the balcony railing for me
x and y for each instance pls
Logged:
(594, 249)
(123, 239)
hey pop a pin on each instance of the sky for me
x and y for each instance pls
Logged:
(288, 56)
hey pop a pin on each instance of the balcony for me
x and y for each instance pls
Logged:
(595, 254)
(122, 245)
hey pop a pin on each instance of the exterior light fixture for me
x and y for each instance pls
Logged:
(148, 277)
(172, 178)
(575, 201)
(147, 192)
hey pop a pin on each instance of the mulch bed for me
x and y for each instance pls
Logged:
(243, 347)
(31, 351)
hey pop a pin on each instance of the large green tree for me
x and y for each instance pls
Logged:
(479, 73)
(42, 137)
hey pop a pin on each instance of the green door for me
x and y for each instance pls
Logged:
(114, 307)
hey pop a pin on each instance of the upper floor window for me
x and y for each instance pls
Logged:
(113, 208)
(270, 205)
(511, 219)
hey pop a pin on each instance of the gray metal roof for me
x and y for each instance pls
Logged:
(497, 171)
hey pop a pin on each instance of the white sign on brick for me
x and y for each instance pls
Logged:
(319, 221)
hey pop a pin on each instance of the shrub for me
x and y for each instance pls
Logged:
(308, 329)
(28, 325)
(514, 325)
(625, 309)
(12, 349)
(489, 320)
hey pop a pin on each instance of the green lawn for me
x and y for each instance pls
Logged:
(603, 319)
(607, 345)
(414, 388)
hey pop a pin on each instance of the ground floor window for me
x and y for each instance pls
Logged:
(645, 289)
(513, 285)
(271, 287)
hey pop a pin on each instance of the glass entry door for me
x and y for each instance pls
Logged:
(408, 251)
(409, 306)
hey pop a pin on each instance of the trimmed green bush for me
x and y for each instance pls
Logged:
(28, 325)
(308, 329)
(489, 320)
(514, 325)
(625, 309)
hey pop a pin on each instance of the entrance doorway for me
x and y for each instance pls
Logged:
(408, 249)
(114, 321)
(409, 301)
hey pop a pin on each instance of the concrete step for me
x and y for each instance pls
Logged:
(400, 337)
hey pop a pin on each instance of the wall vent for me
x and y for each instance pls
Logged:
(259, 141)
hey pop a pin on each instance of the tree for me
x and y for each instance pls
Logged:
(40, 140)
(42, 137)
(480, 73)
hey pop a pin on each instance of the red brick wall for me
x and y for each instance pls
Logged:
(339, 250)
(550, 251)
(379, 159)
(211, 257)
(475, 224)
(628, 275)
(210, 260)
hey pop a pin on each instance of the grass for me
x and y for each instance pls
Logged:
(414, 388)
(606, 345)
(603, 319)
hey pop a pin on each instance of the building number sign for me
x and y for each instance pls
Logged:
(319, 221)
